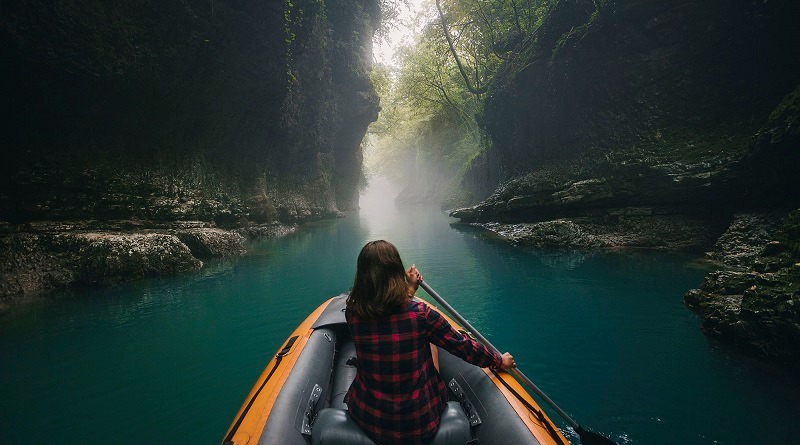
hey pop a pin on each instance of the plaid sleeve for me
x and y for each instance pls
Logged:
(442, 334)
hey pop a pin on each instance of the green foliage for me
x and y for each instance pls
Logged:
(428, 115)
(291, 14)
(389, 16)
(574, 36)
(785, 118)
(429, 119)
(790, 235)
(381, 80)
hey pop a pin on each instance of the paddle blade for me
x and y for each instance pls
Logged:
(590, 438)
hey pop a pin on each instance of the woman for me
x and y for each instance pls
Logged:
(398, 396)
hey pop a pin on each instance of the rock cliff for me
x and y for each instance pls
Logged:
(644, 107)
(157, 115)
(652, 124)
(756, 306)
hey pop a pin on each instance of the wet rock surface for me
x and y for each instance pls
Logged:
(107, 258)
(757, 307)
(269, 230)
(629, 203)
(209, 242)
(745, 238)
(36, 262)
(33, 262)
(139, 156)
(37, 257)
(656, 232)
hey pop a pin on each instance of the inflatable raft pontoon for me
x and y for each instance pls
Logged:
(299, 398)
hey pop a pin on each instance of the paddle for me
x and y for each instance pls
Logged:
(587, 437)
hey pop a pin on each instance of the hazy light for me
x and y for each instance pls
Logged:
(378, 197)
(411, 20)
(378, 214)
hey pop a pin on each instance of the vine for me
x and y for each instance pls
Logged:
(290, 15)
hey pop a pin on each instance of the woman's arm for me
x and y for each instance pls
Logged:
(442, 334)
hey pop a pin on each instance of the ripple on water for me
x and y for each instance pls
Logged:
(605, 335)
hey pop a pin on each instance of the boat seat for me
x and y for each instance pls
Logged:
(344, 374)
(334, 426)
(454, 428)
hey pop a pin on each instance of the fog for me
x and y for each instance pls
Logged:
(379, 196)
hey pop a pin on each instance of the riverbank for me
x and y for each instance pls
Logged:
(751, 301)
(43, 256)
(145, 155)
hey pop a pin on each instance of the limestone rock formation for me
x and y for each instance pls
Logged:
(129, 126)
(623, 105)
(659, 124)
(106, 258)
(758, 308)
(206, 243)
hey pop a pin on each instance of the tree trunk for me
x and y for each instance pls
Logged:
(463, 72)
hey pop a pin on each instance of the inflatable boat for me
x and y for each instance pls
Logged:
(299, 398)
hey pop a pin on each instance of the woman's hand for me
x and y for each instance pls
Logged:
(508, 361)
(413, 277)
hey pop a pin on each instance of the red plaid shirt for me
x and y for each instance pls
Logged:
(398, 396)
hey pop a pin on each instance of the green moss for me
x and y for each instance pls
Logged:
(575, 35)
(785, 118)
(681, 143)
(790, 236)
(289, 20)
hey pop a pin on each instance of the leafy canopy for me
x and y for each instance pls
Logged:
(431, 107)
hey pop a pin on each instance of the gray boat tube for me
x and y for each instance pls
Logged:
(587, 437)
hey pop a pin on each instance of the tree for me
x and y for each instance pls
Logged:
(485, 31)
(428, 127)
(443, 21)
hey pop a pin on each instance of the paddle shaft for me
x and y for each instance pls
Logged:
(461, 320)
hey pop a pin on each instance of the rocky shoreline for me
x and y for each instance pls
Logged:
(668, 232)
(145, 155)
(752, 301)
(739, 205)
(43, 256)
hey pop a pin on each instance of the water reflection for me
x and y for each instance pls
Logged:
(604, 334)
(555, 258)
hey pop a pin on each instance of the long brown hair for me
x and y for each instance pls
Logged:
(380, 286)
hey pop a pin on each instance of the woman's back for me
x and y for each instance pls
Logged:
(397, 395)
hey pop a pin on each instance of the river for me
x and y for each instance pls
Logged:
(604, 334)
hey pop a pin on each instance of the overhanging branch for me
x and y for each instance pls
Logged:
(443, 21)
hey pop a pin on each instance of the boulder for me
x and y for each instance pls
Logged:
(745, 238)
(208, 242)
(758, 309)
(113, 258)
(268, 230)
(549, 234)
(632, 227)
(32, 262)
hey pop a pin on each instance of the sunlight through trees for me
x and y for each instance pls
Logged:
(429, 131)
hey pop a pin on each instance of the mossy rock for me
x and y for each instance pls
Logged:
(114, 258)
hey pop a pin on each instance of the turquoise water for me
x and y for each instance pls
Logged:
(606, 335)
